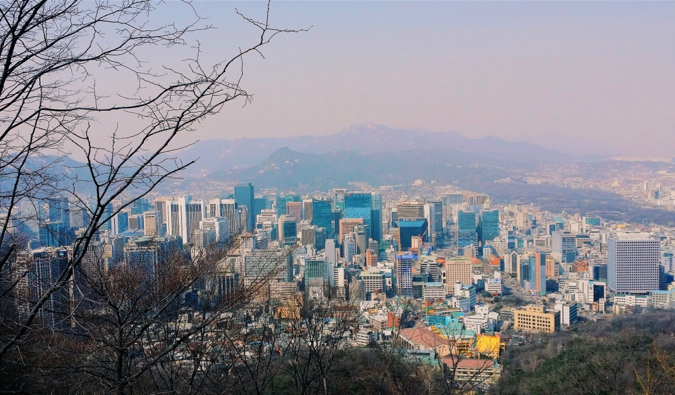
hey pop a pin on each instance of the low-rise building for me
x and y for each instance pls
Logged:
(424, 339)
(464, 304)
(433, 291)
(378, 322)
(478, 372)
(663, 299)
(365, 337)
(631, 300)
(568, 312)
(535, 319)
(494, 286)
(489, 346)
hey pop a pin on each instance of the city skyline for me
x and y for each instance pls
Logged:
(471, 245)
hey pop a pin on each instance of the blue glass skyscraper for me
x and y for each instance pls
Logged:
(359, 205)
(322, 216)
(243, 196)
(376, 218)
(489, 226)
(466, 229)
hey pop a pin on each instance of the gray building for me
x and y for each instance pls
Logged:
(565, 246)
(633, 263)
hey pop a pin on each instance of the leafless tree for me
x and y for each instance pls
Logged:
(60, 64)
(157, 325)
(317, 337)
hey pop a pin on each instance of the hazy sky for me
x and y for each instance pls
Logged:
(551, 73)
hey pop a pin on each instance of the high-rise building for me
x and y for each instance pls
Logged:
(339, 199)
(160, 207)
(540, 272)
(53, 234)
(410, 210)
(457, 270)
(317, 278)
(55, 230)
(347, 226)
(243, 196)
(332, 252)
(437, 218)
(294, 209)
(488, 227)
(225, 208)
(551, 267)
(322, 216)
(512, 263)
(564, 245)
(40, 269)
(466, 229)
(79, 217)
(220, 227)
(280, 205)
(359, 205)
(599, 271)
(120, 223)
(633, 263)
(308, 235)
(453, 199)
(174, 218)
(183, 216)
(371, 283)
(568, 312)
(259, 204)
(140, 205)
(412, 228)
(307, 209)
(136, 222)
(528, 272)
(288, 230)
(511, 240)
(277, 265)
(376, 218)
(430, 216)
(349, 247)
(266, 220)
(147, 253)
(317, 268)
(478, 199)
(404, 269)
(59, 211)
(361, 239)
(152, 223)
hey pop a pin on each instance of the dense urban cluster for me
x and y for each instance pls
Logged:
(448, 282)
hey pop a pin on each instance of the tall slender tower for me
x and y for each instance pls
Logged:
(243, 196)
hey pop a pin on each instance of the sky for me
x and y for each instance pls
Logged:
(582, 77)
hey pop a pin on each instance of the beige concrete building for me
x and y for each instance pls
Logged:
(535, 319)
(347, 226)
(456, 269)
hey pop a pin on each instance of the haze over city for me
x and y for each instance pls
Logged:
(586, 78)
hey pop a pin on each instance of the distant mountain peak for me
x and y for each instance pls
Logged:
(364, 138)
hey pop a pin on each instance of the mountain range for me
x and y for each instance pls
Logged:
(366, 138)
(293, 170)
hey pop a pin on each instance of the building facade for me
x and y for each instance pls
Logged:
(633, 263)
